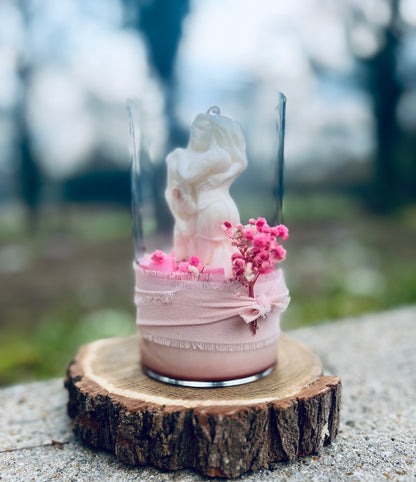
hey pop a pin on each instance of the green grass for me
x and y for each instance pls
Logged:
(46, 350)
(101, 226)
(345, 262)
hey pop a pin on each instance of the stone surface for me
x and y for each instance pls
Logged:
(375, 356)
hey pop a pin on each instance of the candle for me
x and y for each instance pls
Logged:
(208, 311)
(199, 179)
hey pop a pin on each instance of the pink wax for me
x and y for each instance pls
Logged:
(205, 365)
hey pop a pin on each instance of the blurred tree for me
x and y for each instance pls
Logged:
(99, 181)
(395, 162)
(161, 23)
(29, 173)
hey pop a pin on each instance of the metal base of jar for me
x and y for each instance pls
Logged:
(207, 383)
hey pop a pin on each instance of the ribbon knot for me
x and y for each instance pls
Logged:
(262, 306)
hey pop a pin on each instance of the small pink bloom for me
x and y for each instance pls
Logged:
(267, 267)
(279, 253)
(183, 267)
(236, 255)
(227, 228)
(158, 256)
(283, 232)
(260, 241)
(260, 223)
(264, 255)
(194, 261)
(252, 221)
(248, 234)
(258, 261)
(239, 263)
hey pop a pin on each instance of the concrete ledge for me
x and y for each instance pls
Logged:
(375, 356)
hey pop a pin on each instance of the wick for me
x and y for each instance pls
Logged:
(214, 110)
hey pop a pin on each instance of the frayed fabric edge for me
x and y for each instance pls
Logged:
(203, 346)
(201, 280)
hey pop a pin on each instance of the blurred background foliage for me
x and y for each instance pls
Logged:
(348, 69)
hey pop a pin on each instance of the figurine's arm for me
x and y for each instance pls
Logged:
(198, 165)
(215, 180)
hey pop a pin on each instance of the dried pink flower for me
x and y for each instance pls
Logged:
(239, 263)
(258, 249)
(248, 234)
(158, 256)
(260, 223)
(279, 253)
(236, 255)
(283, 232)
(260, 241)
(183, 267)
(194, 261)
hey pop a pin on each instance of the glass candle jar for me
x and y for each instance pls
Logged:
(208, 242)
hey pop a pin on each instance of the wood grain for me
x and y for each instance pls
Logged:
(219, 432)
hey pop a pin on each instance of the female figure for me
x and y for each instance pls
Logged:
(199, 179)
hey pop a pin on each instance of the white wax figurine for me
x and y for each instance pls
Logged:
(199, 179)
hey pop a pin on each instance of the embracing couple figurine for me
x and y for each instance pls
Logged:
(198, 183)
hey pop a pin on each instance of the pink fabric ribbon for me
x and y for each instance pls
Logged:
(170, 309)
(198, 303)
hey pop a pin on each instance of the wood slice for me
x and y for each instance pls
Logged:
(221, 432)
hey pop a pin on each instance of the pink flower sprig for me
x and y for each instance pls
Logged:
(258, 251)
